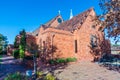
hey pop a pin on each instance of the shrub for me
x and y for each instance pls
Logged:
(37, 55)
(16, 76)
(22, 54)
(106, 58)
(16, 53)
(71, 59)
(49, 77)
(4, 52)
(57, 61)
(60, 60)
(28, 57)
(51, 61)
(39, 74)
(1, 49)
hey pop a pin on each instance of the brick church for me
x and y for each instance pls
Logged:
(71, 38)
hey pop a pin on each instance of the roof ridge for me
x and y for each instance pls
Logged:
(79, 14)
(83, 12)
(72, 24)
(87, 15)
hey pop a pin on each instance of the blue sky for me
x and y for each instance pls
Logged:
(16, 15)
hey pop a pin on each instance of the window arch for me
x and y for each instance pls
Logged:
(93, 41)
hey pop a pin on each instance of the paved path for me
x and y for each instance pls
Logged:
(9, 65)
(86, 71)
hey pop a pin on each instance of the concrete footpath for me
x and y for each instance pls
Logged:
(86, 71)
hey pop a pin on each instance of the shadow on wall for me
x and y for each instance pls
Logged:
(47, 53)
(47, 50)
(98, 50)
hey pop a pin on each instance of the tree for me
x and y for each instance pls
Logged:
(22, 45)
(33, 48)
(3, 43)
(16, 44)
(21, 52)
(110, 18)
(23, 39)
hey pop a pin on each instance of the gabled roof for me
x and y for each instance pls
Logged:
(52, 20)
(46, 25)
(35, 32)
(72, 24)
(69, 25)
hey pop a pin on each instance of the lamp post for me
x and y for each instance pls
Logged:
(35, 66)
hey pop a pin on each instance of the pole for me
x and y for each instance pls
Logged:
(35, 67)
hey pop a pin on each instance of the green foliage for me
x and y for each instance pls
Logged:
(16, 44)
(51, 61)
(21, 53)
(0, 56)
(39, 74)
(1, 49)
(16, 53)
(0, 59)
(16, 76)
(20, 45)
(71, 59)
(3, 43)
(23, 42)
(49, 77)
(62, 60)
(23, 39)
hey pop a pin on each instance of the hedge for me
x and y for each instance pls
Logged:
(62, 60)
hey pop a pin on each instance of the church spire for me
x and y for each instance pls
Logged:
(71, 14)
(59, 12)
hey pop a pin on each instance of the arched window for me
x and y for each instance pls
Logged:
(93, 41)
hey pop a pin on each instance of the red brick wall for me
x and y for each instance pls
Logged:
(64, 41)
(64, 44)
(61, 40)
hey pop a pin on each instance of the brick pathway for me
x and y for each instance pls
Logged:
(86, 71)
